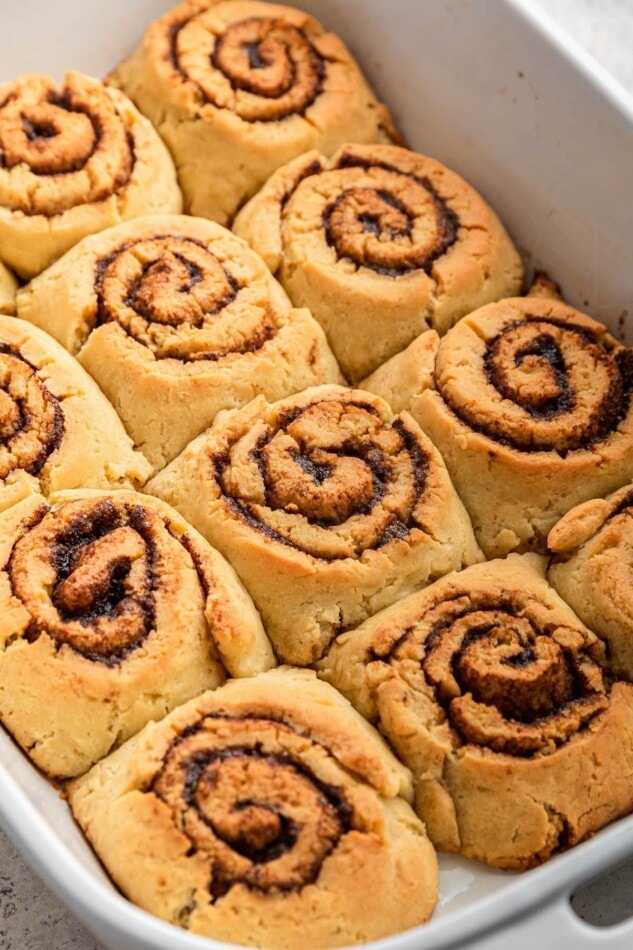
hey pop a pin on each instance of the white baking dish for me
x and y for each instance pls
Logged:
(495, 91)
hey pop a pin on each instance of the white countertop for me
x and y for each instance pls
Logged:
(31, 918)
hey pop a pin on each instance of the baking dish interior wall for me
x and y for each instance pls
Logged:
(516, 119)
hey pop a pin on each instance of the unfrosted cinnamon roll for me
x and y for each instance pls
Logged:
(380, 243)
(73, 160)
(113, 610)
(492, 691)
(176, 318)
(404, 377)
(266, 813)
(328, 506)
(57, 430)
(8, 288)
(529, 403)
(239, 87)
(592, 569)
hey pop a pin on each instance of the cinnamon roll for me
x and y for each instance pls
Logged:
(493, 692)
(73, 160)
(266, 813)
(8, 288)
(404, 377)
(118, 602)
(175, 318)
(57, 430)
(328, 506)
(530, 407)
(380, 243)
(592, 569)
(237, 88)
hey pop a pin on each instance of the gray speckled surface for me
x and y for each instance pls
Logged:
(31, 918)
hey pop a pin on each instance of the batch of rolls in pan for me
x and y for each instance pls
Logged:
(316, 524)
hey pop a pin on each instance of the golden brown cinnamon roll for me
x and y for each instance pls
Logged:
(238, 87)
(380, 243)
(530, 407)
(176, 318)
(492, 691)
(328, 506)
(263, 814)
(117, 603)
(8, 288)
(57, 430)
(592, 569)
(73, 161)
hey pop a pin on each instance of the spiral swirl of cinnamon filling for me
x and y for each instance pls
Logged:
(262, 68)
(259, 814)
(73, 138)
(395, 224)
(170, 294)
(330, 478)
(374, 214)
(548, 385)
(504, 677)
(31, 419)
(87, 575)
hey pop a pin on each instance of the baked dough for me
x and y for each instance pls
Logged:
(327, 504)
(266, 813)
(8, 288)
(592, 569)
(175, 318)
(529, 402)
(57, 430)
(73, 161)
(113, 611)
(404, 377)
(492, 691)
(237, 88)
(380, 243)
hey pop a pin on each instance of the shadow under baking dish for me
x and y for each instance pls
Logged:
(607, 900)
